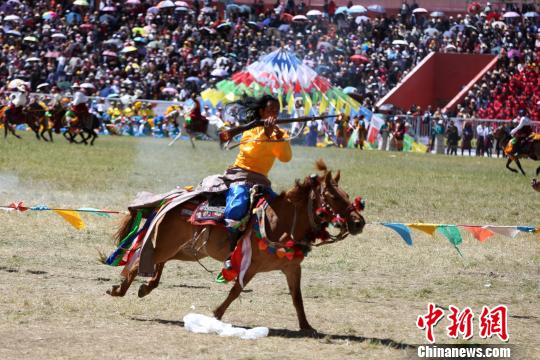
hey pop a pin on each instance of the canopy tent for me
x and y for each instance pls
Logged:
(282, 74)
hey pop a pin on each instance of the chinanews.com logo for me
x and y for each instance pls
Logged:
(491, 322)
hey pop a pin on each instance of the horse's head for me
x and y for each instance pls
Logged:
(333, 205)
(502, 134)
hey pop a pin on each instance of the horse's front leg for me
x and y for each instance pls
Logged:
(153, 283)
(518, 163)
(120, 290)
(537, 171)
(508, 162)
(233, 294)
(294, 275)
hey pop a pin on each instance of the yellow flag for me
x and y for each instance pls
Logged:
(290, 105)
(417, 147)
(323, 105)
(280, 99)
(339, 105)
(307, 104)
(71, 217)
(427, 228)
(348, 109)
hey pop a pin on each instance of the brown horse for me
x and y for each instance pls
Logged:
(502, 135)
(34, 115)
(293, 215)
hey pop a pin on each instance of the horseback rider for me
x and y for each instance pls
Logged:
(259, 148)
(17, 101)
(521, 132)
(79, 105)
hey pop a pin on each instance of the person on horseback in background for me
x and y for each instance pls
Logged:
(521, 132)
(79, 105)
(17, 101)
(259, 148)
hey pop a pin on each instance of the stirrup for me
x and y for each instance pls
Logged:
(227, 265)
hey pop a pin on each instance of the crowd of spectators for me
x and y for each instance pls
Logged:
(167, 50)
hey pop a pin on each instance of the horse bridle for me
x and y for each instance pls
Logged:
(325, 214)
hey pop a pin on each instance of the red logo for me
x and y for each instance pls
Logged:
(491, 322)
(460, 323)
(429, 321)
(494, 322)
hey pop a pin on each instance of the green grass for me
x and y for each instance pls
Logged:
(372, 286)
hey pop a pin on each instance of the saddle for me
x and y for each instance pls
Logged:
(207, 210)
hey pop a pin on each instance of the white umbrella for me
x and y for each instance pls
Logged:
(80, 3)
(33, 59)
(420, 11)
(166, 4)
(400, 42)
(58, 36)
(87, 86)
(531, 14)
(181, 4)
(299, 18)
(361, 19)
(357, 9)
(437, 14)
(12, 18)
(14, 33)
(314, 13)
(219, 73)
(511, 14)
(30, 39)
(379, 9)
(13, 84)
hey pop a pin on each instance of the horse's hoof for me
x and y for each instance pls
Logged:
(309, 331)
(114, 291)
(218, 314)
(143, 290)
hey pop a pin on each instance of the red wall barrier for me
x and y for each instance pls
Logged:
(438, 79)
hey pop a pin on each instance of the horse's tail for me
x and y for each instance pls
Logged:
(125, 227)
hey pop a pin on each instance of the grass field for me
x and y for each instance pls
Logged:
(363, 295)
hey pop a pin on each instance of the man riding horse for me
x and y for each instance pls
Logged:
(17, 101)
(520, 134)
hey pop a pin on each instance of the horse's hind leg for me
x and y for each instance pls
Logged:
(120, 290)
(518, 163)
(153, 283)
(233, 294)
(508, 162)
(94, 136)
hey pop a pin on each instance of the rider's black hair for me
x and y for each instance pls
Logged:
(252, 105)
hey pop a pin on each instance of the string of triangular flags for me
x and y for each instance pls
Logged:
(72, 216)
(451, 231)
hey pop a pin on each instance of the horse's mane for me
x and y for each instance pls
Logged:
(301, 189)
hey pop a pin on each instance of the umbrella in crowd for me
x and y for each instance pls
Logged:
(436, 14)
(14, 18)
(357, 9)
(314, 13)
(420, 11)
(511, 14)
(342, 10)
(378, 9)
(166, 4)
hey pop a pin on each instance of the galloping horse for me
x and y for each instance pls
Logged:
(296, 217)
(532, 151)
(86, 125)
(34, 115)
